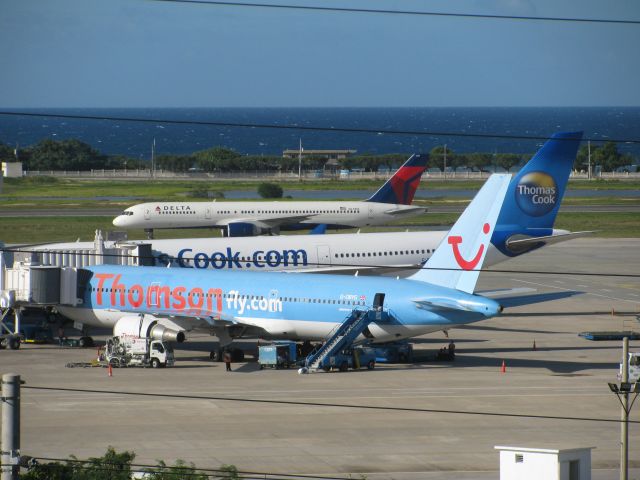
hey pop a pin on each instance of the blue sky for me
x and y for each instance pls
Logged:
(140, 53)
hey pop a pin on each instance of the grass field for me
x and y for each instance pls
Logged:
(72, 194)
(143, 188)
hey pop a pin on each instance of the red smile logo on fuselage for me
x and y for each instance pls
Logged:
(455, 240)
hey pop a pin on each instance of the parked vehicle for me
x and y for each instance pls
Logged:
(130, 351)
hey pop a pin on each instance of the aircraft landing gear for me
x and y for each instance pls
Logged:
(149, 232)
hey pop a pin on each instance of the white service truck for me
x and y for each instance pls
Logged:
(132, 351)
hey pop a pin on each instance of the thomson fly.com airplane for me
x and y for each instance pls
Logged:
(391, 202)
(300, 306)
(525, 223)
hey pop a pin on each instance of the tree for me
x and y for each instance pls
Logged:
(64, 155)
(270, 190)
(216, 159)
(111, 466)
(179, 471)
(6, 153)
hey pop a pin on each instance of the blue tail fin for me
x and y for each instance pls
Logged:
(401, 188)
(457, 261)
(535, 193)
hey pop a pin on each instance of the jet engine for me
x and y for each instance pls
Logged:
(242, 229)
(146, 326)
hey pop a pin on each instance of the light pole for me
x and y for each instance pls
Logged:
(622, 392)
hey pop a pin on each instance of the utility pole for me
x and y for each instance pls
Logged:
(622, 392)
(589, 156)
(445, 161)
(153, 158)
(624, 413)
(300, 162)
(10, 445)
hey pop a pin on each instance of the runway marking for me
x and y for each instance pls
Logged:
(583, 286)
(570, 290)
(605, 290)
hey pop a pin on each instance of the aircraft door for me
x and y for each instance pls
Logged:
(147, 213)
(324, 256)
(207, 212)
(371, 212)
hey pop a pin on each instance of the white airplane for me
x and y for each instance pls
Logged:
(525, 223)
(391, 202)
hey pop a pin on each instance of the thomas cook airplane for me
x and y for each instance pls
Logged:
(525, 223)
(234, 303)
(391, 202)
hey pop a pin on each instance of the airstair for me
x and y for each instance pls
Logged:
(345, 334)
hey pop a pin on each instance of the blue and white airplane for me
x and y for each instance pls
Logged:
(391, 202)
(525, 223)
(304, 306)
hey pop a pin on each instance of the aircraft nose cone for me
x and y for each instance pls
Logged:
(118, 221)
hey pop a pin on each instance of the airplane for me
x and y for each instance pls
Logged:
(231, 304)
(520, 229)
(391, 202)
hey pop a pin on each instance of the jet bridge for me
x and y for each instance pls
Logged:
(45, 277)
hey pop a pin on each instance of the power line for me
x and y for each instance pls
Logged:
(305, 127)
(263, 263)
(336, 405)
(405, 12)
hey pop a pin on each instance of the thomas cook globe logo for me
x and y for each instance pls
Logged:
(536, 194)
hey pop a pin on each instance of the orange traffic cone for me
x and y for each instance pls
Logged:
(503, 369)
(110, 370)
(534, 345)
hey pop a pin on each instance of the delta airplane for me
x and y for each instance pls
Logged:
(300, 306)
(391, 202)
(525, 223)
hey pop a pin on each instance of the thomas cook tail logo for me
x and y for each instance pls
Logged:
(456, 240)
(536, 194)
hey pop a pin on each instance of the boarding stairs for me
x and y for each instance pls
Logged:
(344, 335)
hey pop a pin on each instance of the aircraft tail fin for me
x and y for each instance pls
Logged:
(534, 196)
(457, 261)
(401, 188)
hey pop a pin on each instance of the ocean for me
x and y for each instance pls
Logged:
(134, 139)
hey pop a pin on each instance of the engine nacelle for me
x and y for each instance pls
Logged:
(242, 229)
(146, 326)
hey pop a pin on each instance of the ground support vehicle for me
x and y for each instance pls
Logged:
(131, 351)
(279, 354)
(394, 352)
(354, 358)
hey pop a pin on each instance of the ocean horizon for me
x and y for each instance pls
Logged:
(134, 139)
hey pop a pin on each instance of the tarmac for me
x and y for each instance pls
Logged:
(432, 420)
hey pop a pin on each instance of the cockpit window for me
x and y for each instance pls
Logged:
(127, 212)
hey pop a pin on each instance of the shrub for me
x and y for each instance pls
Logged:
(270, 190)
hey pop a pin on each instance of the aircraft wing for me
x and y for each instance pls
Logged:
(350, 269)
(269, 222)
(557, 237)
(197, 319)
(405, 210)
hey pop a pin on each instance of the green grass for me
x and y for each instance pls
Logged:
(67, 229)
(15, 190)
